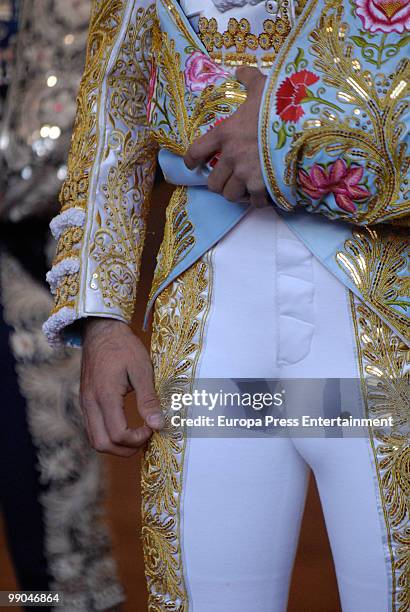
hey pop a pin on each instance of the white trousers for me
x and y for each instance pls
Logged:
(276, 312)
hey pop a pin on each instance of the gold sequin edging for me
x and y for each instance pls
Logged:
(180, 316)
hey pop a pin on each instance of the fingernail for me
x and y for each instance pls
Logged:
(155, 420)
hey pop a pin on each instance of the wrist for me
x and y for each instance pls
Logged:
(101, 326)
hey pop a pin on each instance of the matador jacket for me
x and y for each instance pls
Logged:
(333, 146)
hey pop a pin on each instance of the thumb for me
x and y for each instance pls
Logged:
(148, 403)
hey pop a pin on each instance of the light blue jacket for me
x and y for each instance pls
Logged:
(333, 145)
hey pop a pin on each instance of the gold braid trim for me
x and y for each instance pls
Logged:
(376, 261)
(267, 102)
(181, 24)
(178, 238)
(179, 322)
(299, 7)
(385, 374)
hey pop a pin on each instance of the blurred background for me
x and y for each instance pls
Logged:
(69, 518)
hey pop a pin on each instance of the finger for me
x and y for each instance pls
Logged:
(99, 437)
(116, 424)
(219, 176)
(259, 198)
(234, 190)
(148, 404)
(86, 420)
(246, 75)
(203, 148)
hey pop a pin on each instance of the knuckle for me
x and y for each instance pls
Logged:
(117, 437)
(100, 446)
(150, 401)
(241, 174)
(141, 437)
(193, 151)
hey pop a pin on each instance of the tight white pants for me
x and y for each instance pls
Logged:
(276, 312)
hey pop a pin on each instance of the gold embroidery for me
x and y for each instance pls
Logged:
(239, 59)
(118, 241)
(104, 27)
(178, 238)
(180, 22)
(299, 7)
(384, 369)
(239, 37)
(186, 113)
(377, 263)
(66, 292)
(179, 322)
(289, 45)
(124, 185)
(130, 75)
(379, 146)
(119, 238)
(68, 244)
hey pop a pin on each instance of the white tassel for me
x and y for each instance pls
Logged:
(69, 218)
(71, 265)
(53, 327)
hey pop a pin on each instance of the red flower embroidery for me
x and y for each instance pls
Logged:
(343, 182)
(291, 94)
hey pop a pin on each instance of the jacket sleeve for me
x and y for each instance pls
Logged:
(104, 199)
(333, 128)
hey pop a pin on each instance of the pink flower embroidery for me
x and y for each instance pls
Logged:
(384, 15)
(343, 182)
(201, 71)
(151, 91)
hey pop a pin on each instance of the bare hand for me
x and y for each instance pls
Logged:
(114, 362)
(237, 175)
